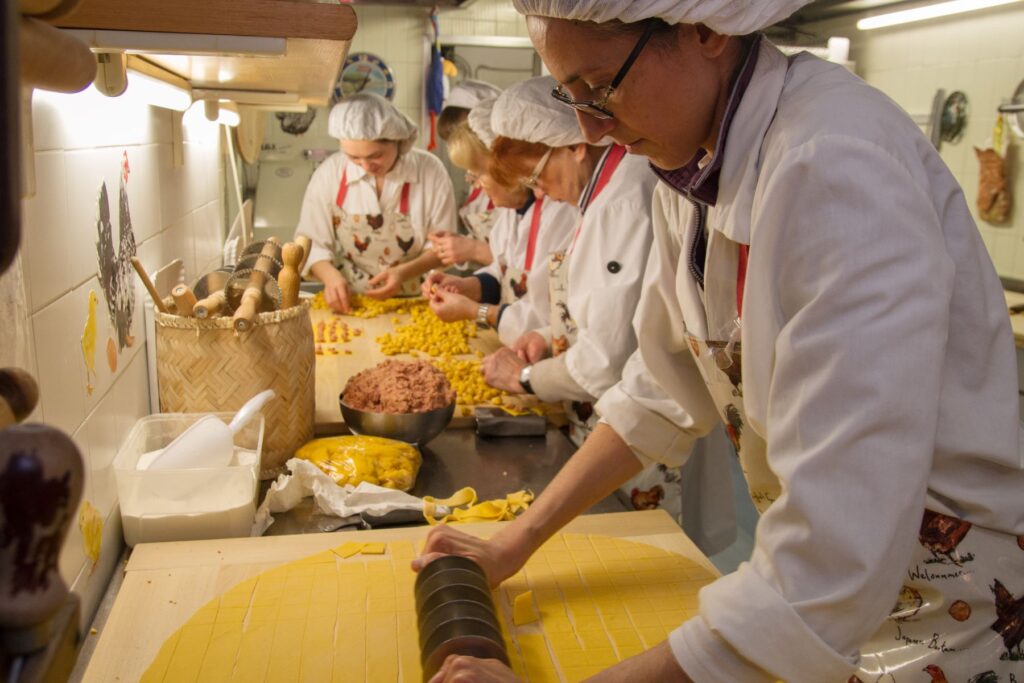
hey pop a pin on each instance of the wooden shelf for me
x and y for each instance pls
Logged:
(268, 18)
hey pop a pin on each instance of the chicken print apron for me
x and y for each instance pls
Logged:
(478, 223)
(581, 415)
(960, 614)
(513, 280)
(367, 244)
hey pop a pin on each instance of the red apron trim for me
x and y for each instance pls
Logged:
(404, 206)
(472, 196)
(531, 244)
(611, 162)
(490, 205)
(343, 192)
(741, 277)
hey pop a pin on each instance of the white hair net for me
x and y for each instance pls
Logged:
(470, 93)
(366, 116)
(480, 121)
(730, 17)
(528, 112)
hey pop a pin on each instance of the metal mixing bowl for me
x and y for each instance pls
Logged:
(415, 428)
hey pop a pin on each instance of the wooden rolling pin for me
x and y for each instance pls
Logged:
(288, 279)
(253, 294)
(144, 276)
(184, 299)
(54, 60)
(306, 245)
(19, 395)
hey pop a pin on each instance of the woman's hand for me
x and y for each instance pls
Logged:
(337, 293)
(498, 558)
(461, 669)
(451, 306)
(438, 282)
(385, 284)
(502, 368)
(452, 248)
(531, 347)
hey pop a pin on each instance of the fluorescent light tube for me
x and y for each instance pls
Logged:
(157, 93)
(941, 9)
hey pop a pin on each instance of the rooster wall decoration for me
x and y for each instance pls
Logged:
(115, 267)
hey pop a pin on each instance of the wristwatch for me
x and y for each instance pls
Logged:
(524, 379)
(481, 314)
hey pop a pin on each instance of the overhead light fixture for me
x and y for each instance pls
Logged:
(941, 9)
(158, 93)
(115, 77)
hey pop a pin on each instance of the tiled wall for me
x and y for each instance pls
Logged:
(176, 212)
(979, 53)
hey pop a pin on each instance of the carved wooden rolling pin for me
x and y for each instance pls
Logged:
(288, 279)
(253, 294)
(19, 395)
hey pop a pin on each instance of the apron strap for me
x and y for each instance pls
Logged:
(741, 277)
(531, 245)
(404, 206)
(472, 196)
(342, 189)
(611, 162)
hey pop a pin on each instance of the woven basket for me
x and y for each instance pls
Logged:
(204, 366)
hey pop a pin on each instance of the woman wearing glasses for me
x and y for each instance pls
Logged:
(370, 208)
(816, 283)
(593, 285)
(526, 231)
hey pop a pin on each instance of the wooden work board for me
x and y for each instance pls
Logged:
(167, 584)
(337, 362)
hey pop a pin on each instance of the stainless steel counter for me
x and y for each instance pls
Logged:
(494, 467)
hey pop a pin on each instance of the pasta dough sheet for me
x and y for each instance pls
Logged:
(324, 618)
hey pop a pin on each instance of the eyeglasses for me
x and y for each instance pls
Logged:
(531, 182)
(598, 108)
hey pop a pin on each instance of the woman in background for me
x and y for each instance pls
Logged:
(594, 283)
(526, 232)
(477, 213)
(369, 208)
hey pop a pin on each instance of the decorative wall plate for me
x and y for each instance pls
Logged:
(363, 72)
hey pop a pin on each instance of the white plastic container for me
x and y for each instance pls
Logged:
(187, 505)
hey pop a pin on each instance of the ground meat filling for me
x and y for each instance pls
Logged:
(397, 386)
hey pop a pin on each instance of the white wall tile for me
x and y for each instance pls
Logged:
(56, 257)
(208, 225)
(57, 329)
(71, 560)
(143, 188)
(179, 242)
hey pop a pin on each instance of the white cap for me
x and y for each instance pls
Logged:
(528, 112)
(729, 17)
(480, 121)
(469, 93)
(366, 116)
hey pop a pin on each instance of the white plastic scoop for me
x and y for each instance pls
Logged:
(207, 443)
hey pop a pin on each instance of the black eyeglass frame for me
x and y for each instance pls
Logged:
(597, 108)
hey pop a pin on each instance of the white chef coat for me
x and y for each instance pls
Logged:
(431, 198)
(606, 270)
(877, 361)
(509, 242)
